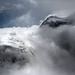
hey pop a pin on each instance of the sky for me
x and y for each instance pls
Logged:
(25, 13)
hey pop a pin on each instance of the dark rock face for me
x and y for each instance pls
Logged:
(54, 21)
(10, 56)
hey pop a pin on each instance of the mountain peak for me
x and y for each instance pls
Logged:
(55, 21)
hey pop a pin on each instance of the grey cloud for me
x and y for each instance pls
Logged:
(13, 9)
(22, 21)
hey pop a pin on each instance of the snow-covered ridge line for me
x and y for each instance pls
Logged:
(56, 21)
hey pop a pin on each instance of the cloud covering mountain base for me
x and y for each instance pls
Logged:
(49, 51)
(38, 50)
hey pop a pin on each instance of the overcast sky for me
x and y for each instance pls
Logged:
(30, 12)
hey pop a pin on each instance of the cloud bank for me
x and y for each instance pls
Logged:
(50, 51)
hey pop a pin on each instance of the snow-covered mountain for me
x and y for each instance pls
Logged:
(39, 50)
(14, 47)
(56, 21)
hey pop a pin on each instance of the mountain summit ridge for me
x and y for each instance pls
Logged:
(55, 21)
